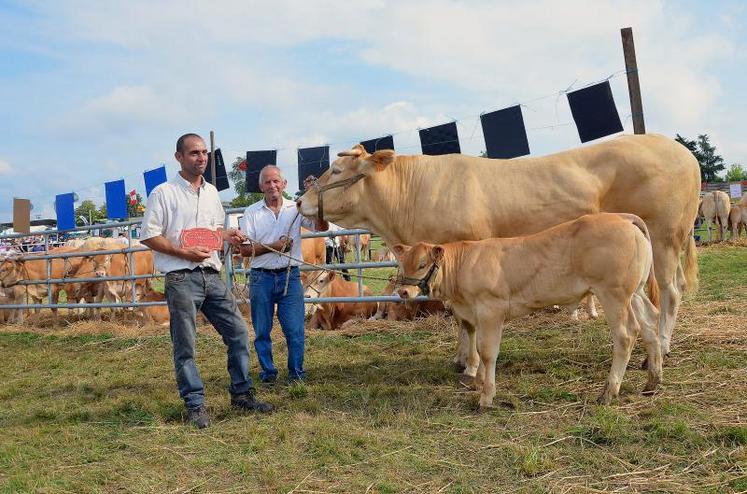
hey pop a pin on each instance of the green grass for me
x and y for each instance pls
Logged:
(93, 408)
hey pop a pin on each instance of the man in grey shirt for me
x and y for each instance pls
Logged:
(193, 279)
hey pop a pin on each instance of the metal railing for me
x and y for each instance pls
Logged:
(230, 270)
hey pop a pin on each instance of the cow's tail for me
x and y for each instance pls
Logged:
(653, 286)
(691, 266)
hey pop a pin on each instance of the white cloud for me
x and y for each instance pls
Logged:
(5, 168)
(127, 107)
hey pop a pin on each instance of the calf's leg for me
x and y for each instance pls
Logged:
(623, 328)
(490, 329)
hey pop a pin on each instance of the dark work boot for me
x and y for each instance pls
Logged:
(248, 403)
(198, 417)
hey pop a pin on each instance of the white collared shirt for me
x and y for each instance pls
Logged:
(260, 224)
(175, 206)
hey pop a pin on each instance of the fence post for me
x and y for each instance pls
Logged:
(358, 260)
(49, 268)
(634, 86)
(131, 256)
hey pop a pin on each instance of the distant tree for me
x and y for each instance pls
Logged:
(137, 209)
(86, 213)
(710, 162)
(736, 173)
(237, 176)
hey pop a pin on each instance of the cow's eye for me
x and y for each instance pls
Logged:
(335, 171)
(422, 265)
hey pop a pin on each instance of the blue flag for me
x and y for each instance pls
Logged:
(116, 200)
(154, 178)
(65, 209)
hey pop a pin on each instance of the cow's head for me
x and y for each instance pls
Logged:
(101, 265)
(418, 269)
(10, 271)
(342, 186)
(319, 284)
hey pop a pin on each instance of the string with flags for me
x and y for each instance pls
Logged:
(592, 107)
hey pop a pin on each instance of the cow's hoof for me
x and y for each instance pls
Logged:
(604, 399)
(651, 387)
(468, 381)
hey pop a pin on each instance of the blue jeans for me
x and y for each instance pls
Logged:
(186, 293)
(265, 291)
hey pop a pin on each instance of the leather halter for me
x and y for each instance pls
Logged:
(422, 283)
(321, 188)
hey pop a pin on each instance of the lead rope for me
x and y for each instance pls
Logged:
(318, 266)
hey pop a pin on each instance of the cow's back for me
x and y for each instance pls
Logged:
(457, 197)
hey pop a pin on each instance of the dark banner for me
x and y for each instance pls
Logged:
(220, 171)
(505, 134)
(373, 145)
(593, 109)
(441, 139)
(312, 161)
(255, 161)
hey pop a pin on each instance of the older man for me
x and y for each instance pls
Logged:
(273, 225)
(193, 279)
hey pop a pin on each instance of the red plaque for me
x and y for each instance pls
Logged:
(201, 237)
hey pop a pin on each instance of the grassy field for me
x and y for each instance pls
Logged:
(92, 407)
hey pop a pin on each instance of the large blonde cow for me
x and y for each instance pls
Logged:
(737, 220)
(438, 199)
(714, 209)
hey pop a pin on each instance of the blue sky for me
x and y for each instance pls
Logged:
(97, 91)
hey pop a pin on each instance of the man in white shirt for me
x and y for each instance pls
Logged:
(193, 279)
(275, 222)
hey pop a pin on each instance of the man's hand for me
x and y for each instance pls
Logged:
(284, 244)
(233, 236)
(246, 250)
(195, 254)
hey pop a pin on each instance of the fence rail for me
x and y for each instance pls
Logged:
(129, 249)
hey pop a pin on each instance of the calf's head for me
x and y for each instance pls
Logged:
(319, 284)
(10, 274)
(418, 269)
(101, 265)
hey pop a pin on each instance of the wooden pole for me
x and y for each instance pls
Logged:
(634, 86)
(212, 159)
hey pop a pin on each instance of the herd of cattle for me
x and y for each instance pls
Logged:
(73, 268)
(84, 268)
(495, 239)
(715, 208)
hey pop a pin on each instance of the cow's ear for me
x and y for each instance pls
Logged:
(376, 162)
(437, 253)
(356, 152)
(399, 250)
(332, 275)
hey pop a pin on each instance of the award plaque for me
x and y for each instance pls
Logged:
(201, 237)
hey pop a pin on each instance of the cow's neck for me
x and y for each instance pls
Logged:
(385, 209)
(446, 287)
